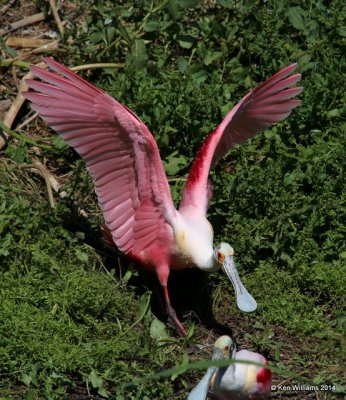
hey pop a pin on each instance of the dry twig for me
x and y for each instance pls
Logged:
(32, 19)
(46, 48)
(50, 180)
(4, 9)
(27, 121)
(15, 41)
(97, 65)
(56, 17)
(16, 105)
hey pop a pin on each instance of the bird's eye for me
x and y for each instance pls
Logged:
(220, 257)
(227, 348)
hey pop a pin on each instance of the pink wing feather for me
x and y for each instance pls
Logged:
(120, 153)
(271, 102)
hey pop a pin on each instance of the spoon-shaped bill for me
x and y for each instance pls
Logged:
(200, 391)
(244, 299)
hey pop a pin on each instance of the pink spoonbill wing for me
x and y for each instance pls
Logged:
(119, 151)
(271, 102)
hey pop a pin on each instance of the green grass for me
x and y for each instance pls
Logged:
(63, 318)
(75, 317)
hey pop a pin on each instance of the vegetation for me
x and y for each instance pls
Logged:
(76, 319)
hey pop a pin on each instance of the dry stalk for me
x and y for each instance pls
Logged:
(46, 48)
(50, 180)
(15, 41)
(16, 105)
(27, 121)
(4, 9)
(56, 17)
(32, 19)
(97, 65)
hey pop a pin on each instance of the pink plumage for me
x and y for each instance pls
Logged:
(270, 102)
(115, 146)
(124, 161)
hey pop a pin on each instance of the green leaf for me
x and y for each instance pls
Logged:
(19, 154)
(10, 51)
(333, 113)
(190, 332)
(82, 256)
(96, 37)
(187, 3)
(139, 56)
(102, 392)
(158, 330)
(226, 108)
(110, 34)
(173, 9)
(97, 383)
(59, 142)
(174, 163)
(186, 41)
(342, 31)
(143, 304)
(95, 379)
(124, 33)
(152, 26)
(182, 64)
(127, 276)
(226, 3)
(30, 395)
(296, 18)
(26, 379)
(5, 244)
(200, 76)
(198, 73)
(184, 365)
(212, 56)
(288, 179)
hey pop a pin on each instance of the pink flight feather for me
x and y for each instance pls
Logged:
(271, 102)
(120, 153)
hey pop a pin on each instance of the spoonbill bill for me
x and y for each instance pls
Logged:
(123, 159)
(247, 378)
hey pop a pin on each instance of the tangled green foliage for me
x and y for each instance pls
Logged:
(59, 314)
(279, 199)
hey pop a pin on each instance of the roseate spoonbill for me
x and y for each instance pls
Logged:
(238, 381)
(123, 158)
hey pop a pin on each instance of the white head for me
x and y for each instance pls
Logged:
(223, 250)
(222, 348)
(224, 344)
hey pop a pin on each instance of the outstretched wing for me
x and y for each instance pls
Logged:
(270, 102)
(118, 149)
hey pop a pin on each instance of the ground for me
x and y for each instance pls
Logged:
(77, 319)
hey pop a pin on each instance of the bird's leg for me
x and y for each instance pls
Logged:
(171, 312)
(163, 273)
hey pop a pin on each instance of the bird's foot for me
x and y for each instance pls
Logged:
(174, 322)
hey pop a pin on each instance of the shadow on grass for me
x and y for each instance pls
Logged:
(190, 293)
